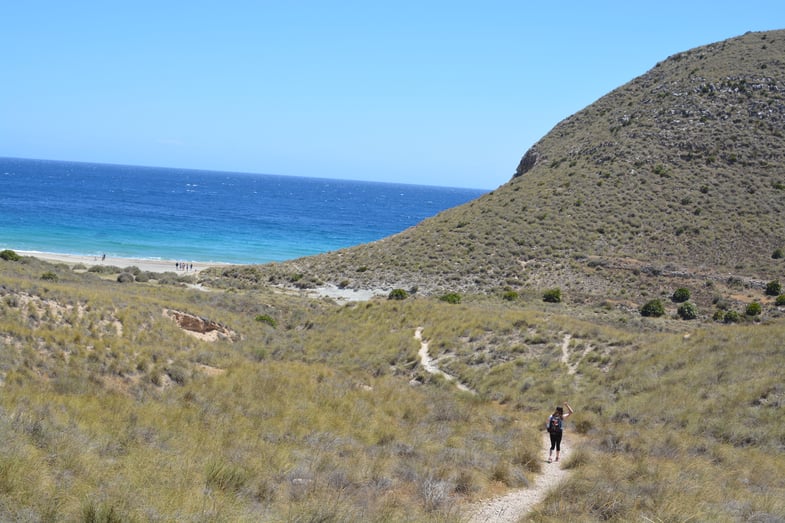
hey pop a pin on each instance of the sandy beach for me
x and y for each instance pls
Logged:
(325, 291)
(150, 265)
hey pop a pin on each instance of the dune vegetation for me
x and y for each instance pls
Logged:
(111, 411)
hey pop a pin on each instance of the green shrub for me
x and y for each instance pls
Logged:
(653, 309)
(753, 309)
(687, 311)
(773, 288)
(552, 296)
(105, 269)
(133, 269)
(266, 318)
(719, 315)
(397, 294)
(510, 295)
(9, 255)
(778, 254)
(49, 276)
(681, 295)
(452, 297)
(125, 277)
(731, 317)
(780, 301)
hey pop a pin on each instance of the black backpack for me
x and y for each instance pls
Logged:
(555, 425)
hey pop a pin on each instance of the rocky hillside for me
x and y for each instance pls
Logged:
(680, 173)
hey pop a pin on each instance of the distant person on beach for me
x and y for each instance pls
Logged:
(103, 257)
(556, 428)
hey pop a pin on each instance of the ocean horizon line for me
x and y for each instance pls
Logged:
(199, 170)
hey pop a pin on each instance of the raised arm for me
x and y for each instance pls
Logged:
(569, 409)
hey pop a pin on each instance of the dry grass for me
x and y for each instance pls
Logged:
(107, 411)
(312, 419)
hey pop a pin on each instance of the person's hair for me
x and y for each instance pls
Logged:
(559, 409)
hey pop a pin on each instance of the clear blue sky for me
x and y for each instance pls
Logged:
(438, 93)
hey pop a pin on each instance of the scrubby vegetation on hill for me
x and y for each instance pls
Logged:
(244, 399)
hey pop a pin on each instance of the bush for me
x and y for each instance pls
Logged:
(133, 269)
(753, 309)
(105, 269)
(125, 277)
(397, 294)
(731, 317)
(552, 296)
(9, 255)
(778, 254)
(773, 288)
(681, 295)
(653, 309)
(266, 318)
(49, 276)
(780, 301)
(687, 311)
(452, 297)
(510, 295)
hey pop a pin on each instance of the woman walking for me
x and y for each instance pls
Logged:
(556, 427)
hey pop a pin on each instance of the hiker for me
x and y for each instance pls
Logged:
(556, 427)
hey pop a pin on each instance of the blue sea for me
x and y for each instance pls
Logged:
(205, 216)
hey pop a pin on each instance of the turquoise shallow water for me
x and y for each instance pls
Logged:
(157, 213)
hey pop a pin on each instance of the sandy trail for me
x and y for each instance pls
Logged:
(511, 507)
(429, 364)
(514, 506)
(572, 368)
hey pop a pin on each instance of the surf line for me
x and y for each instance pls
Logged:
(430, 365)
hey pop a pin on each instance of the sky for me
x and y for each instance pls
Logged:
(425, 92)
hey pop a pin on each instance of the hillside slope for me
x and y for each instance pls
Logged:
(681, 171)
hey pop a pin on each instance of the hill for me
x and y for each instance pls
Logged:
(675, 178)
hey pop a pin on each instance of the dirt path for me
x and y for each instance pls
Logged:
(429, 364)
(511, 507)
(572, 368)
(565, 353)
(514, 506)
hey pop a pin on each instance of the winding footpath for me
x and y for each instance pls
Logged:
(429, 364)
(511, 507)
